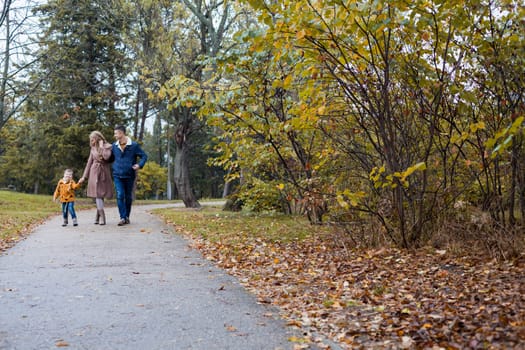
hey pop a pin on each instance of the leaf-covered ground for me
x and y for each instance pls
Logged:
(374, 299)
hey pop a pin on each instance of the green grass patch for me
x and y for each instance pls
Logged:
(19, 212)
(205, 201)
(215, 225)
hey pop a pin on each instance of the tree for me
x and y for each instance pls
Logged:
(78, 77)
(30, 162)
(5, 11)
(267, 136)
(15, 24)
(197, 38)
(148, 56)
(498, 78)
(390, 87)
(152, 180)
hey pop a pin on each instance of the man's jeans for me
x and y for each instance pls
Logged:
(124, 188)
(68, 207)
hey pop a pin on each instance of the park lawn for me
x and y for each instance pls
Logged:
(237, 227)
(363, 298)
(20, 213)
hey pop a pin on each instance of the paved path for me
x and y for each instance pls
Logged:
(132, 287)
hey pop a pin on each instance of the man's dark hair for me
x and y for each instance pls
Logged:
(121, 128)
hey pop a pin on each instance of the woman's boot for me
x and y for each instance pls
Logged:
(97, 217)
(102, 216)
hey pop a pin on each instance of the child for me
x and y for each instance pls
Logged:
(65, 192)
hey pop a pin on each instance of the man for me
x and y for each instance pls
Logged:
(125, 169)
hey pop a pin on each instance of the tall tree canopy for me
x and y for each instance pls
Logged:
(82, 67)
(17, 56)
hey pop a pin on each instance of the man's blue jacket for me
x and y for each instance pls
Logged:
(124, 160)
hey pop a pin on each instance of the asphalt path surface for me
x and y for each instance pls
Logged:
(137, 286)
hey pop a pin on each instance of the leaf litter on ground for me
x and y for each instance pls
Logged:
(368, 299)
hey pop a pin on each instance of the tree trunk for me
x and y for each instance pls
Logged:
(521, 177)
(227, 189)
(168, 165)
(144, 116)
(513, 183)
(181, 169)
(5, 71)
(136, 111)
(228, 186)
(112, 102)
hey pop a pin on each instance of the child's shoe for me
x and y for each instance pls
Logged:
(65, 222)
(75, 223)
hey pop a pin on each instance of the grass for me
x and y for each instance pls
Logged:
(215, 225)
(19, 212)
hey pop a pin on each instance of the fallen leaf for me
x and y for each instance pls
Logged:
(383, 299)
(295, 323)
(230, 328)
(61, 344)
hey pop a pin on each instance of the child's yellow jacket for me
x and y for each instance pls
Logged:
(65, 191)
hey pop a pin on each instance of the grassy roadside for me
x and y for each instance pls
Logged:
(215, 225)
(20, 213)
(363, 298)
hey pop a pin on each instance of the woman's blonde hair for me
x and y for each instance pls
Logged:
(97, 135)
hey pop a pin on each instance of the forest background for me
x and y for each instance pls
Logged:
(398, 122)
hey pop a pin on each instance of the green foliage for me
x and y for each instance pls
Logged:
(376, 108)
(502, 140)
(261, 196)
(29, 162)
(19, 212)
(152, 180)
(269, 135)
(80, 70)
(106, 63)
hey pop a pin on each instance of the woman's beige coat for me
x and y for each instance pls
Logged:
(98, 172)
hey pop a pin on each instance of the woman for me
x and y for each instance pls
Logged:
(98, 173)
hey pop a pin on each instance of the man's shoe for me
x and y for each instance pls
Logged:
(127, 221)
(122, 222)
